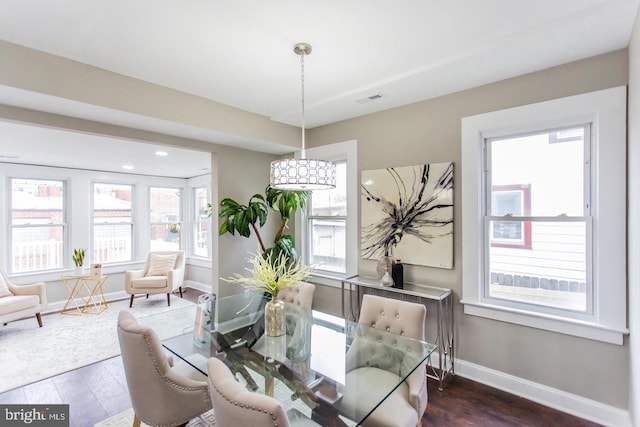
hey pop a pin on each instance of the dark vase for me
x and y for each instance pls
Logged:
(397, 273)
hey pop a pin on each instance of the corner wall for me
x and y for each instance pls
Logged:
(430, 132)
(633, 240)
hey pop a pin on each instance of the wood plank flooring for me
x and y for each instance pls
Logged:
(98, 391)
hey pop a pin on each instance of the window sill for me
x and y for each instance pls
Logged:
(593, 331)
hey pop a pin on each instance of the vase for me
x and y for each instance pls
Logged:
(386, 280)
(385, 264)
(78, 271)
(274, 318)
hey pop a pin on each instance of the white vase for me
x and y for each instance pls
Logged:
(386, 280)
(78, 271)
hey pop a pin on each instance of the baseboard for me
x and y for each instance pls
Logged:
(57, 306)
(563, 401)
(197, 285)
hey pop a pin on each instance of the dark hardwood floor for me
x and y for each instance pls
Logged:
(98, 391)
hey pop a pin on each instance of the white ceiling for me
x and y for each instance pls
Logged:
(240, 52)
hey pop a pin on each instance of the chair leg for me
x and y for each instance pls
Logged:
(169, 298)
(136, 421)
(147, 296)
(39, 317)
(131, 301)
(180, 291)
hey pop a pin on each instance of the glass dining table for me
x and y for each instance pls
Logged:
(306, 369)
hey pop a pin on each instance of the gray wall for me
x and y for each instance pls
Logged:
(633, 192)
(429, 132)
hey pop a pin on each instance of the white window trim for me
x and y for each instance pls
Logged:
(606, 109)
(347, 150)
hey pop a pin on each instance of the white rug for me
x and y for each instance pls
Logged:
(29, 353)
(125, 419)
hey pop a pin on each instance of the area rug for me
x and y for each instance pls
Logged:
(125, 419)
(65, 342)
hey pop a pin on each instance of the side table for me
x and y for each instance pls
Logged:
(89, 290)
(443, 299)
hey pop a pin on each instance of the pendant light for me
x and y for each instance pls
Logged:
(303, 173)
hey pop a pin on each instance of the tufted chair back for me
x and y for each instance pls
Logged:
(234, 405)
(161, 394)
(380, 350)
(301, 295)
(392, 315)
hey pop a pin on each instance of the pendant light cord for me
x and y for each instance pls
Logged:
(303, 151)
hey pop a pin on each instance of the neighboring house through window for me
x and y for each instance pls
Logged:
(201, 223)
(165, 215)
(38, 225)
(112, 223)
(543, 188)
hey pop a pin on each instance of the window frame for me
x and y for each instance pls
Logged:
(131, 223)
(346, 151)
(196, 219)
(180, 220)
(309, 218)
(63, 225)
(606, 111)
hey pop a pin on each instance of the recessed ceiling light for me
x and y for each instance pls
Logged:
(161, 153)
(127, 167)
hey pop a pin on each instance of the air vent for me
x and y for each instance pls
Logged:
(369, 98)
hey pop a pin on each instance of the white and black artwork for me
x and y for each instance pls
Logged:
(407, 213)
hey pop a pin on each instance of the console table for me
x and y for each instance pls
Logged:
(89, 289)
(443, 299)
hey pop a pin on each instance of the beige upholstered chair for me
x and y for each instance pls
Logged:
(380, 366)
(162, 394)
(301, 295)
(234, 405)
(162, 274)
(17, 302)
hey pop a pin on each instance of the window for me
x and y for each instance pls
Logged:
(38, 225)
(554, 229)
(165, 224)
(112, 223)
(327, 215)
(543, 218)
(328, 233)
(201, 223)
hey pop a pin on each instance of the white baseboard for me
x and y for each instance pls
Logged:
(197, 285)
(561, 400)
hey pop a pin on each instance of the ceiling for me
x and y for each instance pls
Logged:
(240, 53)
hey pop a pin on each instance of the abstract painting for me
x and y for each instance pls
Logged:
(407, 213)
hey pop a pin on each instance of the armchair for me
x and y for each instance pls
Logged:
(162, 394)
(162, 273)
(17, 302)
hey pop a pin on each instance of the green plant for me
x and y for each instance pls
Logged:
(272, 277)
(242, 219)
(78, 256)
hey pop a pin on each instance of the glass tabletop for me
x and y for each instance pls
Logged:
(309, 369)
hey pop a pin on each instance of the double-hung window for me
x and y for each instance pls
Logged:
(537, 219)
(166, 223)
(201, 223)
(38, 225)
(112, 223)
(327, 219)
(544, 214)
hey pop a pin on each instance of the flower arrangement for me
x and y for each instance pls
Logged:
(272, 277)
(78, 256)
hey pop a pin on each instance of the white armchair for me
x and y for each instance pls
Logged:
(162, 274)
(382, 367)
(17, 302)
(162, 393)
